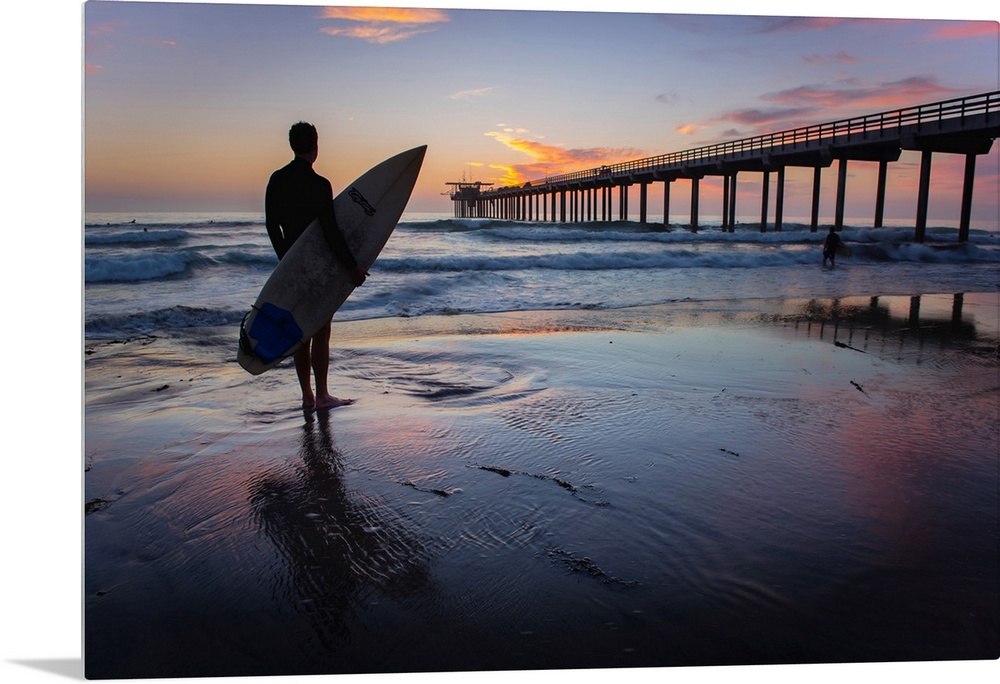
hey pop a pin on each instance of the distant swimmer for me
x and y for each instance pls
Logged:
(830, 245)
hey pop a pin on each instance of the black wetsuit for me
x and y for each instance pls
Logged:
(296, 195)
(830, 246)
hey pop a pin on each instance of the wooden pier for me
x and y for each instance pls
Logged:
(966, 125)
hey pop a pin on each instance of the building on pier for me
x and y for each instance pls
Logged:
(467, 198)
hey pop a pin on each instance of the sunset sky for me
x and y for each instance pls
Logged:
(187, 105)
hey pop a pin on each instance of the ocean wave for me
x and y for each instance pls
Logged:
(170, 221)
(248, 256)
(577, 234)
(687, 258)
(656, 231)
(136, 267)
(158, 265)
(137, 237)
(593, 261)
(459, 225)
(147, 322)
(910, 252)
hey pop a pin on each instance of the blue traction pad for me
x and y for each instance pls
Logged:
(275, 331)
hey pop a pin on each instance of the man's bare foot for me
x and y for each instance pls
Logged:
(329, 402)
(308, 403)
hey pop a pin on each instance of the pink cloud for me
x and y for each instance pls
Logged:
(961, 30)
(887, 95)
(98, 39)
(797, 24)
(101, 39)
(811, 104)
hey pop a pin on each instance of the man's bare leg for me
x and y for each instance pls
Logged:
(321, 369)
(302, 370)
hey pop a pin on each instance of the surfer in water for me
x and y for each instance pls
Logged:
(830, 244)
(295, 196)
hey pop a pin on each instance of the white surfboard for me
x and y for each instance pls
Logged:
(309, 283)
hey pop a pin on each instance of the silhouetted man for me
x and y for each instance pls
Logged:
(830, 245)
(296, 195)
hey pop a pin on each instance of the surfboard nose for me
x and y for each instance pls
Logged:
(418, 152)
(411, 159)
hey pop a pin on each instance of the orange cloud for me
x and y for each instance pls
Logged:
(382, 24)
(508, 175)
(402, 15)
(551, 160)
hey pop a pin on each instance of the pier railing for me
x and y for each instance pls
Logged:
(937, 112)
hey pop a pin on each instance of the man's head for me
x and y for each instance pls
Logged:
(303, 138)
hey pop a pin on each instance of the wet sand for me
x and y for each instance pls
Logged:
(759, 482)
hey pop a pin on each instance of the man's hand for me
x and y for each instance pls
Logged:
(358, 276)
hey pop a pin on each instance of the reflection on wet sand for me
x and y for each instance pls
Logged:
(340, 547)
(866, 324)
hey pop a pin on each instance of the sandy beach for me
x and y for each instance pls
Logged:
(754, 482)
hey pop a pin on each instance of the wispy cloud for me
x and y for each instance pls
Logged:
(550, 160)
(472, 94)
(382, 24)
(159, 42)
(799, 24)
(101, 38)
(836, 58)
(742, 25)
(766, 118)
(98, 38)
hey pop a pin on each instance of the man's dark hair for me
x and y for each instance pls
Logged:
(303, 137)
